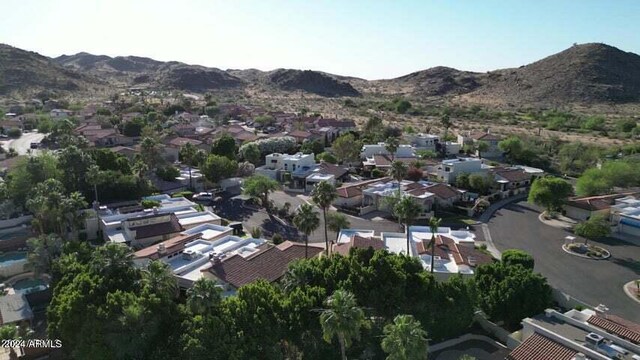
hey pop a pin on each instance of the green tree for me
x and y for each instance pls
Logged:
(159, 277)
(150, 151)
(505, 292)
(43, 251)
(74, 165)
(342, 318)
(323, 195)
(225, 146)
(94, 178)
(482, 146)
(391, 145)
(251, 153)
(550, 192)
(407, 210)
(203, 297)
(307, 221)
(398, 172)
(462, 181)
(327, 157)
(405, 339)
(337, 221)
(346, 148)
(312, 147)
(594, 228)
(512, 257)
(217, 168)
(480, 183)
(260, 186)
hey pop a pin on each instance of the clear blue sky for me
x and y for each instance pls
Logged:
(370, 39)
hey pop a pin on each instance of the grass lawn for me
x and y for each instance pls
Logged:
(457, 219)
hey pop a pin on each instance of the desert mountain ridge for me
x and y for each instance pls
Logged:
(590, 73)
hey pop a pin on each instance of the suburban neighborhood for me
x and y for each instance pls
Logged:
(194, 180)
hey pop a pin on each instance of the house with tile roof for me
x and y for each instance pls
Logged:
(584, 207)
(473, 138)
(453, 251)
(586, 334)
(269, 262)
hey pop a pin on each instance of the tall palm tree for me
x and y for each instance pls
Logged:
(342, 318)
(188, 154)
(307, 221)
(140, 168)
(71, 208)
(405, 339)
(159, 278)
(407, 210)
(434, 223)
(323, 195)
(398, 172)
(93, 178)
(203, 296)
(391, 145)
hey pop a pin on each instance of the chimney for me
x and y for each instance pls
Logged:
(162, 249)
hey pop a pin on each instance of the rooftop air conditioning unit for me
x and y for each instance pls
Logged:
(472, 261)
(161, 248)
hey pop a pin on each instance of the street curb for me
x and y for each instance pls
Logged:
(629, 294)
(546, 222)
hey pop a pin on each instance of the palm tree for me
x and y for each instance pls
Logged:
(398, 172)
(140, 168)
(391, 145)
(159, 278)
(71, 208)
(434, 223)
(323, 195)
(405, 339)
(307, 221)
(342, 319)
(337, 221)
(203, 296)
(187, 154)
(43, 250)
(481, 147)
(93, 178)
(407, 210)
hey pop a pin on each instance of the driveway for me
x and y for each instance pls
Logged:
(592, 281)
(233, 209)
(22, 145)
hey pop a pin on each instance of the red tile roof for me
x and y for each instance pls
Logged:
(269, 264)
(513, 175)
(443, 191)
(484, 136)
(446, 248)
(539, 347)
(169, 227)
(358, 242)
(600, 202)
(172, 245)
(617, 326)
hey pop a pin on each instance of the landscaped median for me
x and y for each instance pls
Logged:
(587, 251)
(632, 289)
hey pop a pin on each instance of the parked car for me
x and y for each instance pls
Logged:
(203, 196)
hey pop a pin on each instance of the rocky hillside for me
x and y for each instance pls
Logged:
(28, 72)
(440, 81)
(311, 81)
(585, 74)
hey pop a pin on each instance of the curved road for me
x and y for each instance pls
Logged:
(22, 145)
(593, 282)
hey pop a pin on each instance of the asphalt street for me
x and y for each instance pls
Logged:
(592, 281)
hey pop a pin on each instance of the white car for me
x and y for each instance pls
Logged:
(203, 196)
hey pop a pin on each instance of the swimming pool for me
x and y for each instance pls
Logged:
(26, 286)
(13, 256)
